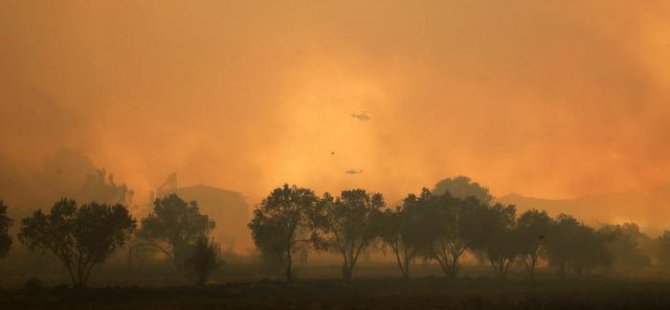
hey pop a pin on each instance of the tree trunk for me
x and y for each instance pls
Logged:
(72, 277)
(202, 280)
(561, 270)
(453, 270)
(499, 269)
(449, 264)
(396, 250)
(406, 269)
(531, 269)
(130, 260)
(289, 274)
(405, 275)
(346, 273)
(81, 283)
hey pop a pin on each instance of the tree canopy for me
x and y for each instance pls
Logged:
(282, 222)
(573, 246)
(80, 237)
(348, 224)
(532, 228)
(493, 238)
(452, 230)
(173, 227)
(463, 187)
(5, 238)
(204, 258)
(405, 230)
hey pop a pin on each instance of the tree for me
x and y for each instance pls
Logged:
(205, 257)
(592, 250)
(173, 227)
(627, 245)
(532, 228)
(663, 249)
(463, 187)
(442, 231)
(404, 230)
(80, 237)
(348, 224)
(560, 246)
(394, 234)
(282, 222)
(493, 236)
(577, 247)
(101, 187)
(455, 229)
(5, 239)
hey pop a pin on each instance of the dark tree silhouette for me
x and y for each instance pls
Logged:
(561, 245)
(205, 258)
(451, 229)
(173, 227)
(663, 249)
(80, 237)
(593, 250)
(347, 224)
(533, 227)
(463, 187)
(493, 238)
(282, 222)
(5, 238)
(403, 230)
(627, 245)
(577, 247)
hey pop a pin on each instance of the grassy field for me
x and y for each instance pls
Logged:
(428, 292)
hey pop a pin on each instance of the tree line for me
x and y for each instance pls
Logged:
(84, 236)
(456, 217)
(428, 226)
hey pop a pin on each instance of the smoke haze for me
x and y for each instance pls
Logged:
(554, 99)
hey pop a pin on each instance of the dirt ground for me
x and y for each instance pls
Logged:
(419, 293)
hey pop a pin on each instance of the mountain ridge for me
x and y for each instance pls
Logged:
(649, 208)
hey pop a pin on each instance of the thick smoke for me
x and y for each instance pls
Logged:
(547, 98)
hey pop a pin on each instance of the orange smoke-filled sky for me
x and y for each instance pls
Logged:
(546, 98)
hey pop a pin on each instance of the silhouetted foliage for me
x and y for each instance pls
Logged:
(80, 237)
(204, 258)
(561, 243)
(100, 186)
(348, 223)
(463, 187)
(532, 228)
(291, 221)
(594, 250)
(494, 239)
(663, 249)
(34, 287)
(577, 247)
(282, 222)
(625, 245)
(441, 230)
(174, 227)
(5, 238)
(452, 230)
(403, 231)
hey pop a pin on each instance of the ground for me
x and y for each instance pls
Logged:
(423, 293)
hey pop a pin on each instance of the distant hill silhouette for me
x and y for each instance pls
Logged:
(649, 208)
